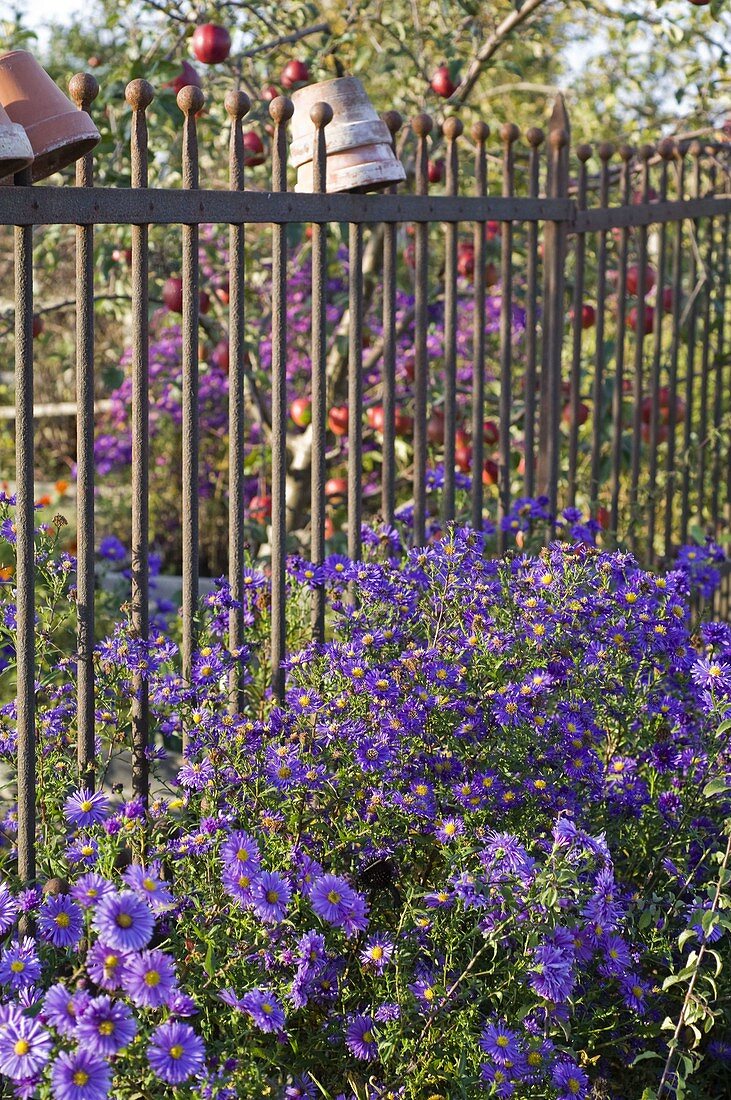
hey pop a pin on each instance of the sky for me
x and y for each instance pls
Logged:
(38, 12)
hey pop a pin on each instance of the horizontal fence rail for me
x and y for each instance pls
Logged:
(566, 335)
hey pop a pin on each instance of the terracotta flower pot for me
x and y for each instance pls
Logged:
(15, 148)
(59, 133)
(359, 152)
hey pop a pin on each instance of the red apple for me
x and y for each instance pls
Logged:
(253, 149)
(638, 197)
(260, 508)
(328, 529)
(403, 425)
(38, 325)
(301, 411)
(667, 299)
(588, 316)
(435, 428)
(491, 275)
(441, 82)
(222, 292)
(336, 488)
(466, 260)
(490, 473)
(633, 316)
(568, 414)
(122, 255)
(662, 433)
(493, 230)
(376, 418)
(294, 73)
(337, 420)
(663, 407)
(211, 43)
(172, 294)
(220, 355)
(204, 302)
(435, 171)
(410, 254)
(633, 279)
(603, 517)
(462, 451)
(187, 77)
(269, 92)
(490, 433)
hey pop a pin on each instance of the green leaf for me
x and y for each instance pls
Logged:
(714, 787)
(644, 1057)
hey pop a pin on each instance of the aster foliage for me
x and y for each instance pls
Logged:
(478, 850)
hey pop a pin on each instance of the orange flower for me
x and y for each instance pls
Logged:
(61, 487)
(44, 500)
(6, 572)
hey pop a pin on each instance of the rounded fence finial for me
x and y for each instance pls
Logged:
(237, 103)
(393, 121)
(509, 133)
(281, 109)
(667, 149)
(646, 151)
(535, 136)
(321, 114)
(83, 89)
(452, 128)
(422, 125)
(584, 151)
(191, 99)
(558, 138)
(139, 94)
(606, 150)
(480, 131)
(626, 152)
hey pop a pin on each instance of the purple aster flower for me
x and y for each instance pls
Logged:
(552, 975)
(264, 1009)
(105, 965)
(237, 881)
(124, 921)
(148, 883)
(634, 991)
(62, 1009)
(497, 1077)
(85, 808)
(61, 921)
(80, 1075)
(90, 888)
(500, 1043)
(360, 1039)
(377, 953)
(106, 1026)
(616, 958)
(19, 964)
(332, 899)
(25, 1047)
(112, 549)
(241, 851)
(8, 909)
(270, 896)
(711, 673)
(570, 1081)
(449, 828)
(149, 978)
(175, 1052)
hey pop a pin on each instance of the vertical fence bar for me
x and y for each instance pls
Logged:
(139, 95)
(321, 114)
(509, 134)
(452, 129)
(480, 134)
(583, 153)
(645, 154)
(393, 121)
(720, 375)
(667, 152)
(280, 111)
(421, 126)
(703, 440)
(695, 152)
(237, 107)
(84, 89)
(25, 545)
(606, 152)
(190, 101)
(535, 138)
(355, 388)
(559, 136)
(677, 285)
(626, 152)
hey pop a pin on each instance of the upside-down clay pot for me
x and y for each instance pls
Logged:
(58, 133)
(360, 156)
(15, 149)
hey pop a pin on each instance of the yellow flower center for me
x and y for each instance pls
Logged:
(106, 1027)
(21, 1047)
(176, 1052)
(124, 920)
(86, 805)
(333, 897)
(81, 1077)
(502, 1041)
(17, 966)
(63, 920)
(272, 897)
(152, 978)
(377, 952)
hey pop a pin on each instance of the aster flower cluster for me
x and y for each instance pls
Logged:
(469, 840)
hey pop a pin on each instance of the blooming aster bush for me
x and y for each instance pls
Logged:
(478, 850)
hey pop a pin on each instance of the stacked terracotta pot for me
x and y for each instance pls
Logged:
(39, 126)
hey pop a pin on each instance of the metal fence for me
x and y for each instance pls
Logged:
(625, 409)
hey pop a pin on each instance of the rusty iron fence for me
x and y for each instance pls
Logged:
(625, 409)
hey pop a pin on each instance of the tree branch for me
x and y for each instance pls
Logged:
(490, 46)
